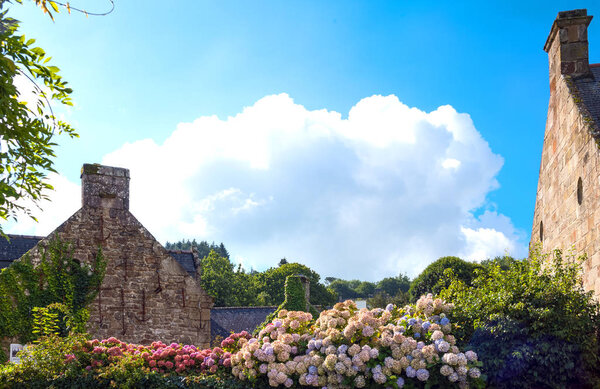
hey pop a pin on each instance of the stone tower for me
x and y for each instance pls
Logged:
(567, 208)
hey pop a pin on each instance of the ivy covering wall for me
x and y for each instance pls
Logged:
(51, 296)
(295, 300)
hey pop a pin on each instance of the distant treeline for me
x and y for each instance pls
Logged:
(203, 248)
(232, 285)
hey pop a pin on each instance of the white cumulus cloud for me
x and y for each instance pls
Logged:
(64, 201)
(386, 190)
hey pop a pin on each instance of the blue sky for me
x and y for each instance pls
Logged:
(142, 72)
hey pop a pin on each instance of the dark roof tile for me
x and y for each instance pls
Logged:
(16, 247)
(225, 320)
(588, 89)
(20, 244)
(185, 259)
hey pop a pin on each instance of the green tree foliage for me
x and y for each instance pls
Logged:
(342, 289)
(505, 262)
(365, 289)
(532, 323)
(236, 287)
(245, 288)
(263, 299)
(28, 132)
(382, 299)
(436, 277)
(272, 283)
(393, 288)
(60, 287)
(393, 285)
(229, 287)
(203, 248)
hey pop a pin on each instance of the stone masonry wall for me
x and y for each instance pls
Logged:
(146, 295)
(570, 155)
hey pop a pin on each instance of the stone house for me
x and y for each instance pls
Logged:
(567, 208)
(148, 293)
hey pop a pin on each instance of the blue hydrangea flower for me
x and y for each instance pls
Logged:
(444, 321)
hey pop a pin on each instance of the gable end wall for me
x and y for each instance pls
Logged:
(146, 295)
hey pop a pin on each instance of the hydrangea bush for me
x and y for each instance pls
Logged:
(347, 347)
(344, 348)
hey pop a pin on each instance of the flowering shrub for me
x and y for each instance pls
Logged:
(158, 357)
(233, 343)
(531, 321)
(347, 347)
(344, 348)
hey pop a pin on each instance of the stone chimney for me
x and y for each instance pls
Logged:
(306, 285)
(104, 187)
(567, 45)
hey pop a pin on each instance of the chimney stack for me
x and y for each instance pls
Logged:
(567, 45)
(104, 187)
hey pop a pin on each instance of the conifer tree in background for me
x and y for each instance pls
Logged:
(203, 248)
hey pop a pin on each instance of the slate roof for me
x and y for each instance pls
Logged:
(185, 259)
(588, 89)
(225, 320)
(20, 244)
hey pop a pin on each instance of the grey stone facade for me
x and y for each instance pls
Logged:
(146, 294)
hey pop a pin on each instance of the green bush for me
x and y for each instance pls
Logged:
(40, 362)
(531, 322)
(435, 277)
